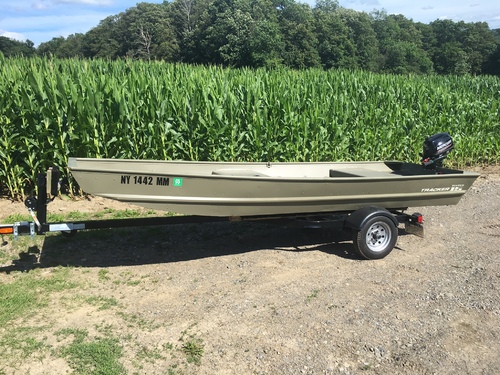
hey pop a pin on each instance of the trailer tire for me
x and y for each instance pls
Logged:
(376, 238)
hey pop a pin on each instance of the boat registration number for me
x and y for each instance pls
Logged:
(150, 180)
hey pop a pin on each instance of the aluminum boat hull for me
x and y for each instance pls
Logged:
(254, 189)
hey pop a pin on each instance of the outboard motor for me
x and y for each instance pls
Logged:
(436, 149)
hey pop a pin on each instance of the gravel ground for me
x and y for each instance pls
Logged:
(272, 300)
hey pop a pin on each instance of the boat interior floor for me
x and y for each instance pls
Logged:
(395, 168)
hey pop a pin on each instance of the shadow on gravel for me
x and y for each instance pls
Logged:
(178, 243)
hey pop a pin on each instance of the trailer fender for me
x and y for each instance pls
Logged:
(359, 218)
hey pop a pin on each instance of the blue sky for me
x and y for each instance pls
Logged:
(42, 20)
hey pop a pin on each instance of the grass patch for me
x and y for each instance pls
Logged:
(21, 343)
(92, 356)
(20, 300)
(103, 303)
(108, 213)
(192, 347)
(28, 292)
(314, 294)
(149, 355)
(193, 350)
(123, 214)
(103, 275)
(135, 320)
(79, 216)
(14, 218)
(128, 279)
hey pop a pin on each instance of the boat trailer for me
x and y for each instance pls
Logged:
(374, 229)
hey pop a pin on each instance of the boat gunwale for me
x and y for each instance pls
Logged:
(389, 176)
(384, 175)
(236, 163)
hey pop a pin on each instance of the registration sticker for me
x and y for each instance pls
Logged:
(177, 181)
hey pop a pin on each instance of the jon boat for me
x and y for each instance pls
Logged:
(252, 189)
(365, 199)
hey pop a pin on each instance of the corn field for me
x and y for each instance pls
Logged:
(51, 109)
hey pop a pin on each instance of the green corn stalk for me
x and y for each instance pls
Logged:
(135, 109)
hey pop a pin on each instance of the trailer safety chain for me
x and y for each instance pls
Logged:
(35, 219)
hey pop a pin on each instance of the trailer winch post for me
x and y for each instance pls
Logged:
(41, 202)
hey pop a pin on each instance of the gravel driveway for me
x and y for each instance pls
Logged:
(263, 299)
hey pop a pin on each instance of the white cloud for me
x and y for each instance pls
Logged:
(11, 35)
(39, 5)
(42, 20)
(43, 28)
(85, 2)
(55, 21)
(430, 10)
(364, 3)
(47, 4)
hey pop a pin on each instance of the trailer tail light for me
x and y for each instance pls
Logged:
(7, 230)
(417, 218)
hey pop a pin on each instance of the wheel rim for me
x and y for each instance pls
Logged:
(378, 236)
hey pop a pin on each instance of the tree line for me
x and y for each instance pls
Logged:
(275, 33)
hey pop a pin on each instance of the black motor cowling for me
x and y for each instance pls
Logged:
(436, 149)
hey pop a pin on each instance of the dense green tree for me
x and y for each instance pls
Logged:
(479, 43)
(461, 47)
(362, 35)
(451, 59)
(211, 34)
(104, 40)
(143, 31)
(235, 34)
(10, 47)
(266, 39)
(51, 47)
(186, 16)
(267, 33)
(72, 46)
(335, 47)
(63, 47)
(492, 64)
(346, 37)
(147, 33)
(238, 33)
(428, 37)
(401, 47)
(300, 44)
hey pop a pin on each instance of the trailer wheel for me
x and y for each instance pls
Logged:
(376, 238)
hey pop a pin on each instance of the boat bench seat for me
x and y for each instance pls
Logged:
(360, 172)
(238, 172)
(336, 173)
